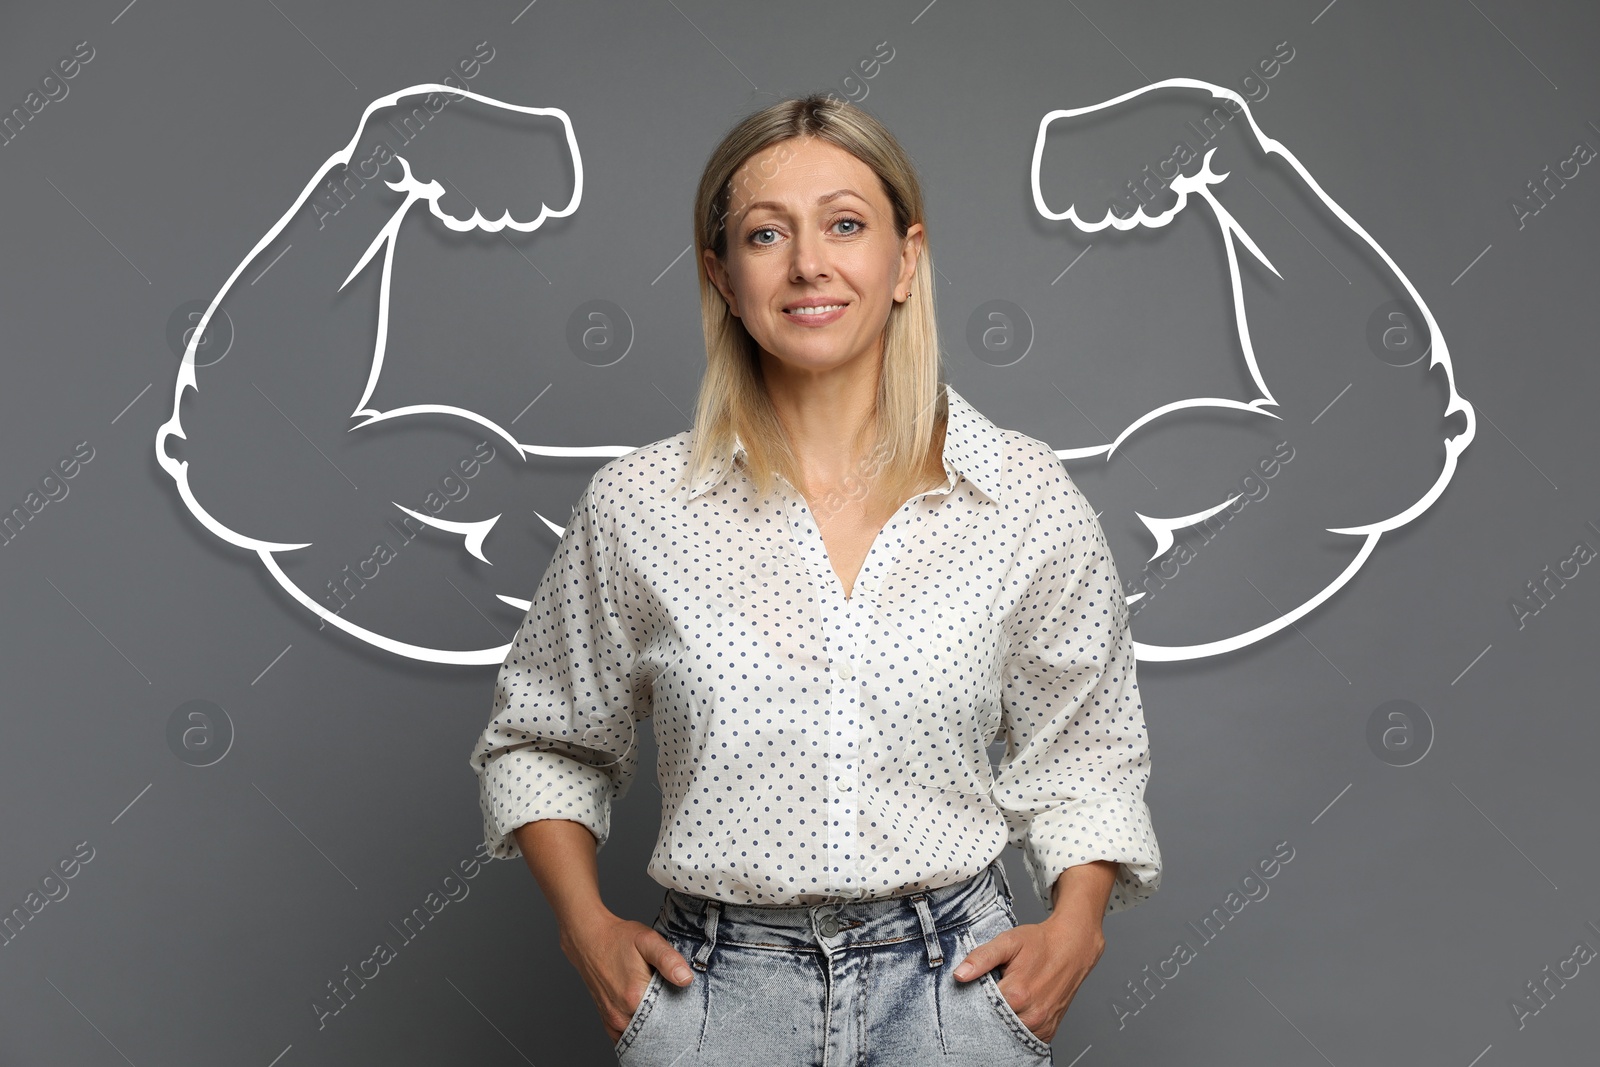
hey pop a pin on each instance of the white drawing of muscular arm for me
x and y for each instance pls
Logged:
(354, 343)
(1208, 184)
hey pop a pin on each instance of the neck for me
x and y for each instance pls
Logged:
(829, 418)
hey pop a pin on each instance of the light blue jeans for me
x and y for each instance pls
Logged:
(864, 984)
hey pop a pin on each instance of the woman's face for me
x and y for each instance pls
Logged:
(809, 222)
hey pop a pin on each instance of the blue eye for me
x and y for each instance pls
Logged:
(857, 223)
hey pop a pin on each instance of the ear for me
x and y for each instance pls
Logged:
(719, 278)
(911, 251)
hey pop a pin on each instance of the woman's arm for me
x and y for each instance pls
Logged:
(1072, 781)
(1083, 891)
(613, 955)
(1077, 759)
(561, 855)
(1046, 962)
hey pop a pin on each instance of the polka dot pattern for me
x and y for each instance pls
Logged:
(814, 747)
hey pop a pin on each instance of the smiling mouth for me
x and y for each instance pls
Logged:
(825, 309)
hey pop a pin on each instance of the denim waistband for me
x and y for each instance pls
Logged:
(837, 925)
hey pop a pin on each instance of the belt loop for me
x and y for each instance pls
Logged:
(1005, 880)
(702, 958)
(929, 934)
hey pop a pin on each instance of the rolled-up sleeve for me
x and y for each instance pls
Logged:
(562, 743)
(1071, 782)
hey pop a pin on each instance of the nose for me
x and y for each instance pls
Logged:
(808, 256)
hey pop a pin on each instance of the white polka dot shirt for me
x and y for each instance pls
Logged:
(813, 747)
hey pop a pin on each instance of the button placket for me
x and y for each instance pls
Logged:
(844, 745)
(845, 617)
(843, 742)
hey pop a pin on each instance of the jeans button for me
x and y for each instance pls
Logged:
(829, 925)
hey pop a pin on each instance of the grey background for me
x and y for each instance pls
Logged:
(220, 901)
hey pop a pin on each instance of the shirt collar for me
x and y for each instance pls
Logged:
(973, 448)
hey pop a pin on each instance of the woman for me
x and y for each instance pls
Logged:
(830, 596)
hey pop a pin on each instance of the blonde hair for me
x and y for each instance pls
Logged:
(733, 398)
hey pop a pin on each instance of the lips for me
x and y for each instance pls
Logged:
(815, 309)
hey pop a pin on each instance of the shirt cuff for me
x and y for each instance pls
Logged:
(1088, 830)
(528, 784)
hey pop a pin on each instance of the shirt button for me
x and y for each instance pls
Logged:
(828, 925)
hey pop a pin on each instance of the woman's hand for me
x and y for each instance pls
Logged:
(1046, 962)
(615, 957)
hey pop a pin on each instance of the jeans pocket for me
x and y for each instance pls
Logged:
(968, 940)
(640, 1014)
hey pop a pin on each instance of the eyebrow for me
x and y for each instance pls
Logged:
(823, 199)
